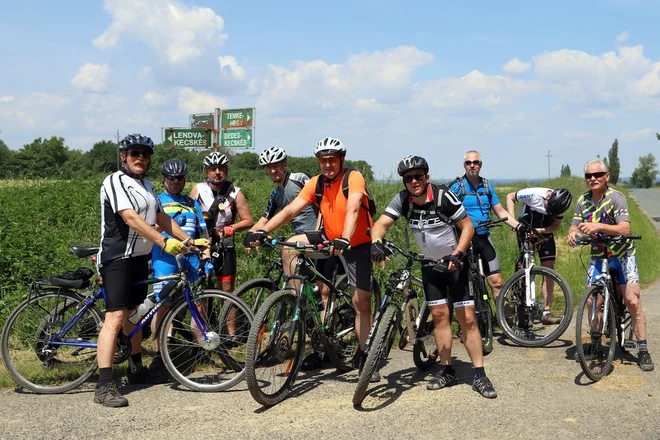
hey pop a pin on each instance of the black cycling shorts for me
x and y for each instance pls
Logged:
(483, 245)
(358, 266)
(548, 252)
(119, 277)
(225, 264)
(439, 287)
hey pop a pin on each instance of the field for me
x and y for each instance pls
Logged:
(41, 219)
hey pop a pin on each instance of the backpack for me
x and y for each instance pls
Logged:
(221, 197)
(320, 186)
(438, 192)
(464, 192)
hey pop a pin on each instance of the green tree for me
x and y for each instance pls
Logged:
(645, 174)
(102, 158)
(613, 163)
(42, 155)
(565, 171)
(6, 159)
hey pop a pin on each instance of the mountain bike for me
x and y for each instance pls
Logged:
(603, 318)
(520, 304)
(288, 319)
(387, 320)
(49, 341)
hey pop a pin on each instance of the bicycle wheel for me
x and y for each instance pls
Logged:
(34, 358)
(378, 351)
(594, 338)
(425, 350)
(624, 331)
(341, 284)
(484, 314)
(341, 336)
(274, 349)
(525, 324)
(208, 361)
(255, 291)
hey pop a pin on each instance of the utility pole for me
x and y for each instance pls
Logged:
(118, 160)
(549, 156)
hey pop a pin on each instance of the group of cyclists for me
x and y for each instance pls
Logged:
(138, 225)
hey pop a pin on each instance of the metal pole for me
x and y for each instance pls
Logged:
(549, 156)
(118, 159)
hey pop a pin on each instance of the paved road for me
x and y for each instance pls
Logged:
(649, 202)
(542, 395)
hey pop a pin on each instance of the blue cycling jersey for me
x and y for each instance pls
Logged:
(188, 215)
(476, 201)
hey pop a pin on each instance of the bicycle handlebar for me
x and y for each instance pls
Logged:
(605, 239)
(491, 223)
(426, 261)
(300, 245)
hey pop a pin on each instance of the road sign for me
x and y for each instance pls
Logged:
(238, 118)
(236, 138)
(187, 137)
(203, 120)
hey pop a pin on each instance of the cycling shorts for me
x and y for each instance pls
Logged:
(358, 266)
(548, 252)
(225, 264)
(483, 245)
(439, 287)
(624, 268)
(119, 278)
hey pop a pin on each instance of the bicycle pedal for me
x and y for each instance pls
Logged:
(630, 345)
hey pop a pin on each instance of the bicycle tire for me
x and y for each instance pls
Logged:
(530, 338)
(484, 314)
(31, 342)
(591, 368)
(255, 291)
(256, 357)
(192, 363)
(425, 350)
(377, 352)
(403, 338)
(342, 342)
(341, 284)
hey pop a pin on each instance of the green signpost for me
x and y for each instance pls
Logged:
(187, 137)
(238, 118)
(236, 138)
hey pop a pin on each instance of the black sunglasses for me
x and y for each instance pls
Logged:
(409, 178)
(472, 162)
(597, 175)
(138, 153)
(176, 178)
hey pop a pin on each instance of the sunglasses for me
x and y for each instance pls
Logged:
(597, 175)
(410, 177)
(329, 160)
(217, 169)
(472, 162)
(138, 153)
(175, 178)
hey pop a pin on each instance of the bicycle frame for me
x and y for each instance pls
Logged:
(526, 262)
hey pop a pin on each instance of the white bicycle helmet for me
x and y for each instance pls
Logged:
(215, 159)
(330, 146)
(272, 155)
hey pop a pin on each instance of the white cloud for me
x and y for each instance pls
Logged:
(639, 135)
(42, 110)
(622, 37)
(174, 31)
(230, 67)
(595, 113)
(7, 98)
(154, 99)
(199, 102)
(91, 77)
(515, 66)
(649, 85)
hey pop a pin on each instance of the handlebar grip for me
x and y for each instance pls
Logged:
(633, 236)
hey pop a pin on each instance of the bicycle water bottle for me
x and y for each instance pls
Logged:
(144, 308)
(578, 239)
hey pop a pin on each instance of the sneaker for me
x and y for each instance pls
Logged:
(311, 362)
(524, 333)
(375, 376)
(591, 352)
(485, 387)
(442, 379)
(138, 376)
(108, 395)
(358, 360)
(644, 360)
(157, 372)
(549, 319)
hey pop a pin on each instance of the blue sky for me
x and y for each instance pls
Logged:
(511, 79)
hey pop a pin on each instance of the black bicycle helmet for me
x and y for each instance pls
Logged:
(412, 162)
(558, 202)
(174, 168)
(136, 140)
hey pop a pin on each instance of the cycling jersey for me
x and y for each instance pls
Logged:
(533, 210)
(433, 222)
(120, 192)
(477, 201)
(282, 196)
(333, 206)
(611, 210)
(226, 205)
(188, 214)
